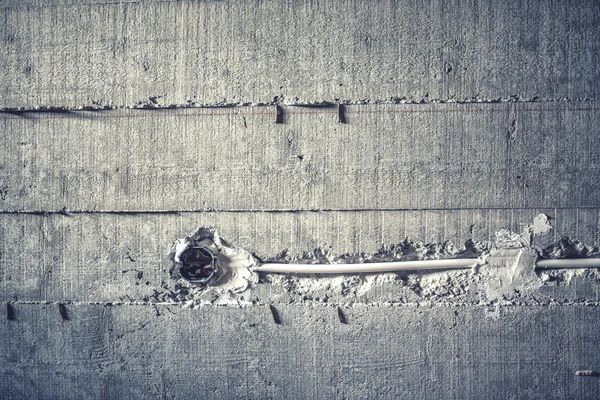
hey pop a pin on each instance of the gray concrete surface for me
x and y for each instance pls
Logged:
(97, 53)
(431, 156)
(94, 257)
(226, 352)
(92, 201)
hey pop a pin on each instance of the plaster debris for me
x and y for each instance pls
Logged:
(506, 273)
(587, 373)
(540, 225)
(568, 248)
(509, 271)
(508, 239)
(511, 240)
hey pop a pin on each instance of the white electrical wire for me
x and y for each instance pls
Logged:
(568, 263)
(455, 263)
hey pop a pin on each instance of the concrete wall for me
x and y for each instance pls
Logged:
(460, 119)
(73, 54)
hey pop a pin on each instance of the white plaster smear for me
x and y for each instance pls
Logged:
(540, 225)
(507, 266)
(234, 265)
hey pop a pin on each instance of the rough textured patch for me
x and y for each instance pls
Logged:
(209, 52)
(433, 156)
(124, 257)
(213, 261)
(137, 351)
(504, 272)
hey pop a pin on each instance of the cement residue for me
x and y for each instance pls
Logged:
(568, 248)
(402, 287)
(407, 250)
(233, 264)
(508, 239)
(506, 274)
(347, 289)
(540, 225)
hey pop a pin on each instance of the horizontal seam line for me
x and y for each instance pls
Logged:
(424, 303)
(323, 106)
(66, 212)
